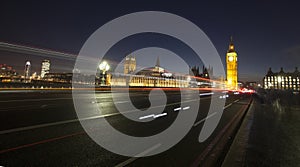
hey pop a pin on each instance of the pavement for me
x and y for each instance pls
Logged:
(269, 136)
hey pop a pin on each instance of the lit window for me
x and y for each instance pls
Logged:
(279, 79)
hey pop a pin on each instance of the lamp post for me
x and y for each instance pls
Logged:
(103, 67)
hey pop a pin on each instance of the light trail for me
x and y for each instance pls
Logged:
(36, 51)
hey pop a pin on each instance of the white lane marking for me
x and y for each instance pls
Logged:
(44, 106)
(160, 115)
(147, 116)
(153, 116)
(209, 116)
(177, 109)
(138, 156)
(205, 94)
(75, 120)
(236, 100)
(202, 120)
(56, 123)
(227, 106)
(185, 108)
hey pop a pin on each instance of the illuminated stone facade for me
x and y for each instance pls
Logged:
(282, 80)
(45, 68)
(232, 67)
(129, 65)
(149, 77)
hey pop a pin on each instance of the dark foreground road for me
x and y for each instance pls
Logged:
(41, 129)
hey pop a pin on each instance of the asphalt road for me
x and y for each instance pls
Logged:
(41, 129)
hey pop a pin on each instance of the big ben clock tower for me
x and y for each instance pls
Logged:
(232, 70)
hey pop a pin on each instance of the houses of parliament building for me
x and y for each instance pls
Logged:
(157, 76)
(148, 77)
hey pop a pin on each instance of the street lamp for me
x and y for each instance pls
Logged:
(103, 67)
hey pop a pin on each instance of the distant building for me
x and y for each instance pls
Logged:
(129, 65)
(59, 77)
(34, 75)
(195, 71)
(148, 77)
(7, 71)
(45, 69)
(282, 80)
(251, 85)
(27, 71)
(232, 67)
(206, 72)
(156, 71)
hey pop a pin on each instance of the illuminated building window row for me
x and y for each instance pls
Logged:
(282, 80)
(147, 81)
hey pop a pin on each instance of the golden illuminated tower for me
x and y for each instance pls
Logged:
(129, 65)
(232, 67)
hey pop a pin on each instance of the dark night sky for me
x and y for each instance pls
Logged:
(266, 33)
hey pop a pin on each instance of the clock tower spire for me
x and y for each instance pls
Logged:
(231, 45)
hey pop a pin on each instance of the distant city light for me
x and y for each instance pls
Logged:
(45, 68)
(104, 66)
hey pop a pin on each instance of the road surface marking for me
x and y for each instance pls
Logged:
(215, 141)
(204, 119)
(153, 116)
(41, 142)
(55, 123)
(209, 116)
(147, 116)
(205, 94)
(160, 115)
(82, 119)
(227, 106)
(49, 99)
(236, 100)
(138, 156)
(177, 109)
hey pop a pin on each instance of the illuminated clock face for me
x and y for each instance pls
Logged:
(230, 58)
